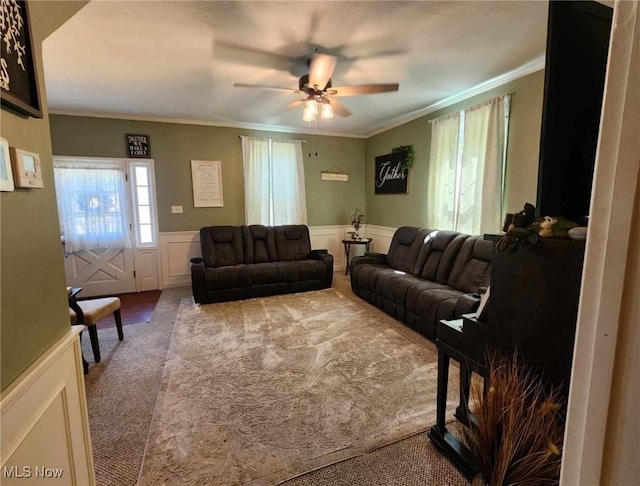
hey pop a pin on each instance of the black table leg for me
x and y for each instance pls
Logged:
(85, 363)
(347, 250)
(462, 412)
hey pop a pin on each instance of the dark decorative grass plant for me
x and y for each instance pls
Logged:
(519, 431)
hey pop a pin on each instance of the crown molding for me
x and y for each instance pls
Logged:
(524, 70)
(186, 121)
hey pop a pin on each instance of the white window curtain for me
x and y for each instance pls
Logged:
(92, 205)
(474, 205)
(274, 189)
(441, 187)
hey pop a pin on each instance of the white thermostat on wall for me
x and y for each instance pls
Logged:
(27, 171)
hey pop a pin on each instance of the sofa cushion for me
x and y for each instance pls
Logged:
(438, 255)
(221, 245)
(432, 301)
(259, 244)
(302, 270)
(228, 277)
(472, 267)
(405, 246)
(292, 242)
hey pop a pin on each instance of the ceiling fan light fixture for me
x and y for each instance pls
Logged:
(308, 115)
(326, 110)
(311, 106)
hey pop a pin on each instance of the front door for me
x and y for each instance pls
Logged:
(97, 225)
(101, 272)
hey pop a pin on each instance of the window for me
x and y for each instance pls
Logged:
(466, 169)
(92, 205)
(97, 207)
(143, 195)
(274, 191)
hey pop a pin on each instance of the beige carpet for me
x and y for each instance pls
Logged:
(262, 390)
(122, 390)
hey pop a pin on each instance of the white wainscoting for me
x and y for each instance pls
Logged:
(45, 424)
(381, 235)
(178, 247)
(176, 250)
(330, 238)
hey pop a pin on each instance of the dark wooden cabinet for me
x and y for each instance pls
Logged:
(576, 59)
(535, 292)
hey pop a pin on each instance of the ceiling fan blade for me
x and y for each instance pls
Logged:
(264, 86)
(321, 70)
(294, 104)
(250, 56)
(339, 109)
(362, 89)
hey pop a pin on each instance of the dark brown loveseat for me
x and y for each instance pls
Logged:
(242, 262)
(426, 276)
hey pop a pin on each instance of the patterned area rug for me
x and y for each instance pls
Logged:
(263, 390)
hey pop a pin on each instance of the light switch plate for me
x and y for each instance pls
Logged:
(176, 209)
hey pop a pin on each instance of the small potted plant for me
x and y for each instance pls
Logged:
(356, 221)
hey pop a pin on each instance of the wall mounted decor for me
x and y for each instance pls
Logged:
(334, 175)
(206, 176)
(138, 146)
(391, 178)
(18, 79)
(6, 175)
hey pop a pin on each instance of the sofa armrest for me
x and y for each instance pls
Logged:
(325, 257)
(467, 304)
(374, 254)
(369, 257)
(197, 279)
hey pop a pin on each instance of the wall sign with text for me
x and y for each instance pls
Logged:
(391, 178)
(138, 146)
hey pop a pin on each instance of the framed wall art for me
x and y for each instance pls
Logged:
(6, 175)
(391, 178)
(18, 77)
(206, 176)
(138, 146)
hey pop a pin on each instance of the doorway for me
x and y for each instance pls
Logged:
(108, 224)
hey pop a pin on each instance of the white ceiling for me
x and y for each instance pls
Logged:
(178, 60)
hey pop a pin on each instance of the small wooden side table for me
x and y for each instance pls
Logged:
(347, 249)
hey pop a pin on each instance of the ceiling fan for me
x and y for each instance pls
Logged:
(319, 92)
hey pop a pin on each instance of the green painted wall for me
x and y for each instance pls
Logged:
(34, 312)
(173, 146)
(522, 155)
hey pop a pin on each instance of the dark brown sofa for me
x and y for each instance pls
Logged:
(426, 276)
(242, 262)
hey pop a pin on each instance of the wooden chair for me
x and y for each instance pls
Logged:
(89, 312)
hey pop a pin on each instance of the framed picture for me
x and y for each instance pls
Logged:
(206, 176)
(6, 175)
(18, 77)
(391, 178)
(138, 146)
